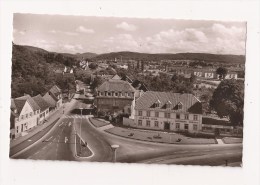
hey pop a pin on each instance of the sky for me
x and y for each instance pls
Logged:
(80, 34)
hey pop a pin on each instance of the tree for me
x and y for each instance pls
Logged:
(228, 100)
(93, 65)
(222, 72)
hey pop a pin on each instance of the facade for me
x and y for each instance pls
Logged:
(24, 115)
(44, 107)
(202, 73)
(168, 111)
(115, 96)
(54, 97)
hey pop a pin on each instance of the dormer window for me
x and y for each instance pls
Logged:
(168, 104)
(179, 106)
(157, 104)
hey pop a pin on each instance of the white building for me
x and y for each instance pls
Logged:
(167, 111)
(24, 115)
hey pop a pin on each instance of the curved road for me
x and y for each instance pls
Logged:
(55, 147)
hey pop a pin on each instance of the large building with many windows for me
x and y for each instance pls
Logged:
(168, 111)
(114, 96)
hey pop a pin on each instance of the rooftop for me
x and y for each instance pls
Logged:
(188, 101)
(41, 102)
(116, 86)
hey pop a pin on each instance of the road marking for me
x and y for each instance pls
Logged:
(61, 124)
(29, 140)
(49, 139)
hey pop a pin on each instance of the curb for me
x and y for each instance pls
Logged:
(30, 146)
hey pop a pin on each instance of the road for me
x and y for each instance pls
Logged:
(54, 146)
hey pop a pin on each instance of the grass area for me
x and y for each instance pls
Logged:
(85, 151)
(99, 122)
(232, 140)
(159, 137)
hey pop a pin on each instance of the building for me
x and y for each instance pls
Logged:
(114, 96)
(24, 115)
(167, 111)
(44, 107)
(54, 97)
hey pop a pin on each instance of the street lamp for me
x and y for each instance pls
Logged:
(80, 128)
(114, 147)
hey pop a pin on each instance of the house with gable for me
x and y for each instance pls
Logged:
(24, 115)
(167, 111)
(44, 107)
(54, 97)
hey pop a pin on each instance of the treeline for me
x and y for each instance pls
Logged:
(33, 70)
(239, 59)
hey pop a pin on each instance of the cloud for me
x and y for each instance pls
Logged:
(121, 42)
(22, 32)
(127, 27)
(72, 48)
(63, 32)
(84, 30)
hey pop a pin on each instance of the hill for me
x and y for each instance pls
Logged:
(239, 59)
(33, 69)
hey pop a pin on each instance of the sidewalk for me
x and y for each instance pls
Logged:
(53, 117)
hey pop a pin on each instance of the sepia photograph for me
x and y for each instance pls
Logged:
(127, 90)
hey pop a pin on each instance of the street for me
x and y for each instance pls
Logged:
(59, 144)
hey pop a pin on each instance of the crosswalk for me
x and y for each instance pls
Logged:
(77, 116)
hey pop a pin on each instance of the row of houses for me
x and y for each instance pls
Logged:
(27, 112)
(203, 73)
(153, 110)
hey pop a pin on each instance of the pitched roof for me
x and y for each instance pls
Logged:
(55, 90)
(41, 102)
(116, 77)
(116, 85)
(30, 101)
(189, 102)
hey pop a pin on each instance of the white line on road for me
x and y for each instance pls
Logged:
(48, 139)
(61, 124)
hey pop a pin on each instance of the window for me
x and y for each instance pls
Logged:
(156, 124)
(167, 115)
(26, 115)
(17, 129)
(140, 113)
(195, 117)
(195, 127)
(178, 116)
(140, 122)
(177, 125)
(168, 105)
(147, 123)
(129, 94)
(31, 113)
(116, 94)
(16, 119)
(179, 106)
(109, 93)
(186, 126)
(101, 94)
(148, 113)
(156, 114)
(186, 116)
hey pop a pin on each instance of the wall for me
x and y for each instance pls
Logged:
(31, 121)
(172, 120)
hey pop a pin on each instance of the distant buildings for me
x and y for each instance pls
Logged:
(202, 73)
(167, 111)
